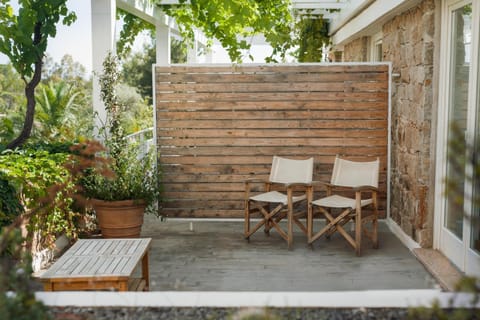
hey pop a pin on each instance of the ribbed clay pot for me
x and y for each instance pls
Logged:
(119, 219)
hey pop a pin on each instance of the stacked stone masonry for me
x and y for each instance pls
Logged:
(408, 42)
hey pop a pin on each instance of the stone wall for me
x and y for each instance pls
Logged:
(357, 50)
(408, 42)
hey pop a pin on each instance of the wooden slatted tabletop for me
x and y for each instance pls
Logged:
(100, 264)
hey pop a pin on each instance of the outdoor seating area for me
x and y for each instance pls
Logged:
(359, 178)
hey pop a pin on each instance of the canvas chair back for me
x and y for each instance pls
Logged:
(291, 171)
(354, 174)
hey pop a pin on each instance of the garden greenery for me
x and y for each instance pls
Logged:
(232, 23)
(17, 289)
(127, 175)
(43, 185)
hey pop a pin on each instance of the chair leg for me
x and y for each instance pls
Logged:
(375, 223)
(246, 226)
(268, 223)
(290, 225)
(358, 232)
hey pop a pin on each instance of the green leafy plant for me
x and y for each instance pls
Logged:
(45, 186)
(17, 288)
(311, 37)
(232, 23)
(127, 175)
(10, 205)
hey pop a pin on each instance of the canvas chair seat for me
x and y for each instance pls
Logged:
(336, 201)
(358, 182)
(292, 180)
(277, 197)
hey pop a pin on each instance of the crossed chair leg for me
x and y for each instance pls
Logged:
(337, 224)
(271, 219)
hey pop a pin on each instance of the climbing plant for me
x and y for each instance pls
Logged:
(311, 37)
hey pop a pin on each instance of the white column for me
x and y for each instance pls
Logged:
(103, 41)
(163, 42)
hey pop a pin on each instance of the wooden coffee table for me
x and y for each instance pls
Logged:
(100, 264)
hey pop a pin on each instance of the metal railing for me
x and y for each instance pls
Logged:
(144, 140)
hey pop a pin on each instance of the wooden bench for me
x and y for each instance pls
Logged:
(100, 264)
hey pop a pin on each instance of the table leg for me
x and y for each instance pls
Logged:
(145, 272)
(48, 286)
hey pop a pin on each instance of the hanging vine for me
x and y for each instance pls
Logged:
(311, 37)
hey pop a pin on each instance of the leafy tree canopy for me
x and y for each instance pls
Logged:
(230, 22)
(23, 39)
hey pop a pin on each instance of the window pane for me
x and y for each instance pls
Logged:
(459, 77)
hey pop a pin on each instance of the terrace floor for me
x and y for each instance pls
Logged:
(207, 255)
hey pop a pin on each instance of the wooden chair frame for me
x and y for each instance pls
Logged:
(270, 218)
(336, 223)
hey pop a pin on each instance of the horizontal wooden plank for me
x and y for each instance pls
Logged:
(250, 87)
(273, 115)
(325, 155)
(229, 161)
(273, 68)
(270, 105)
(279, 141)
(268, 133)
(344, 124)
(270, 96)
(289, 77)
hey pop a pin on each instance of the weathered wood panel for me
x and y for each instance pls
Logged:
(219, 125)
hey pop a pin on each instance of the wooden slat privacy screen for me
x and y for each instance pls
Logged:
(219, 125)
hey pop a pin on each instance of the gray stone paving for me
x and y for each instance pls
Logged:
(216, 257)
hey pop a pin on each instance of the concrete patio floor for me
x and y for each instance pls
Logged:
(208, 255)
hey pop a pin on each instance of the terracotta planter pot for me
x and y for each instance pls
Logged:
(119, 219)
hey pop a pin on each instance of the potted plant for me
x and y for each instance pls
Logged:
(127, 185)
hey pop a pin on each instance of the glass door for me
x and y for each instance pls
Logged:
(459, 231)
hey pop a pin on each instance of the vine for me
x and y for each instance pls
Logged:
(132, 27)
(311, 38)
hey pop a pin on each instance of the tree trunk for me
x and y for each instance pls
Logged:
(30, 95)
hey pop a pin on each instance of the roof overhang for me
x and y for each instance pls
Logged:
(365, 18)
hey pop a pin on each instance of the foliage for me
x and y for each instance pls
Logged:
(24, 39)
(10, 206)
(63, 103)
(467, 284)
(137, 113)
(44, 183)
(57, 112)
(137, 67)
(137, 71)
(133, 176)
(67, 70)
(132, 27)
(230, 22)
(17, 292)
(12, 97)
(178, 51)
(311, 37)
(461, 155)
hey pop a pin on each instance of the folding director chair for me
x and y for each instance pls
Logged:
(348, 178)
(289, 176)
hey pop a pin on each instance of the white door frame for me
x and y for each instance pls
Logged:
(456, 250)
